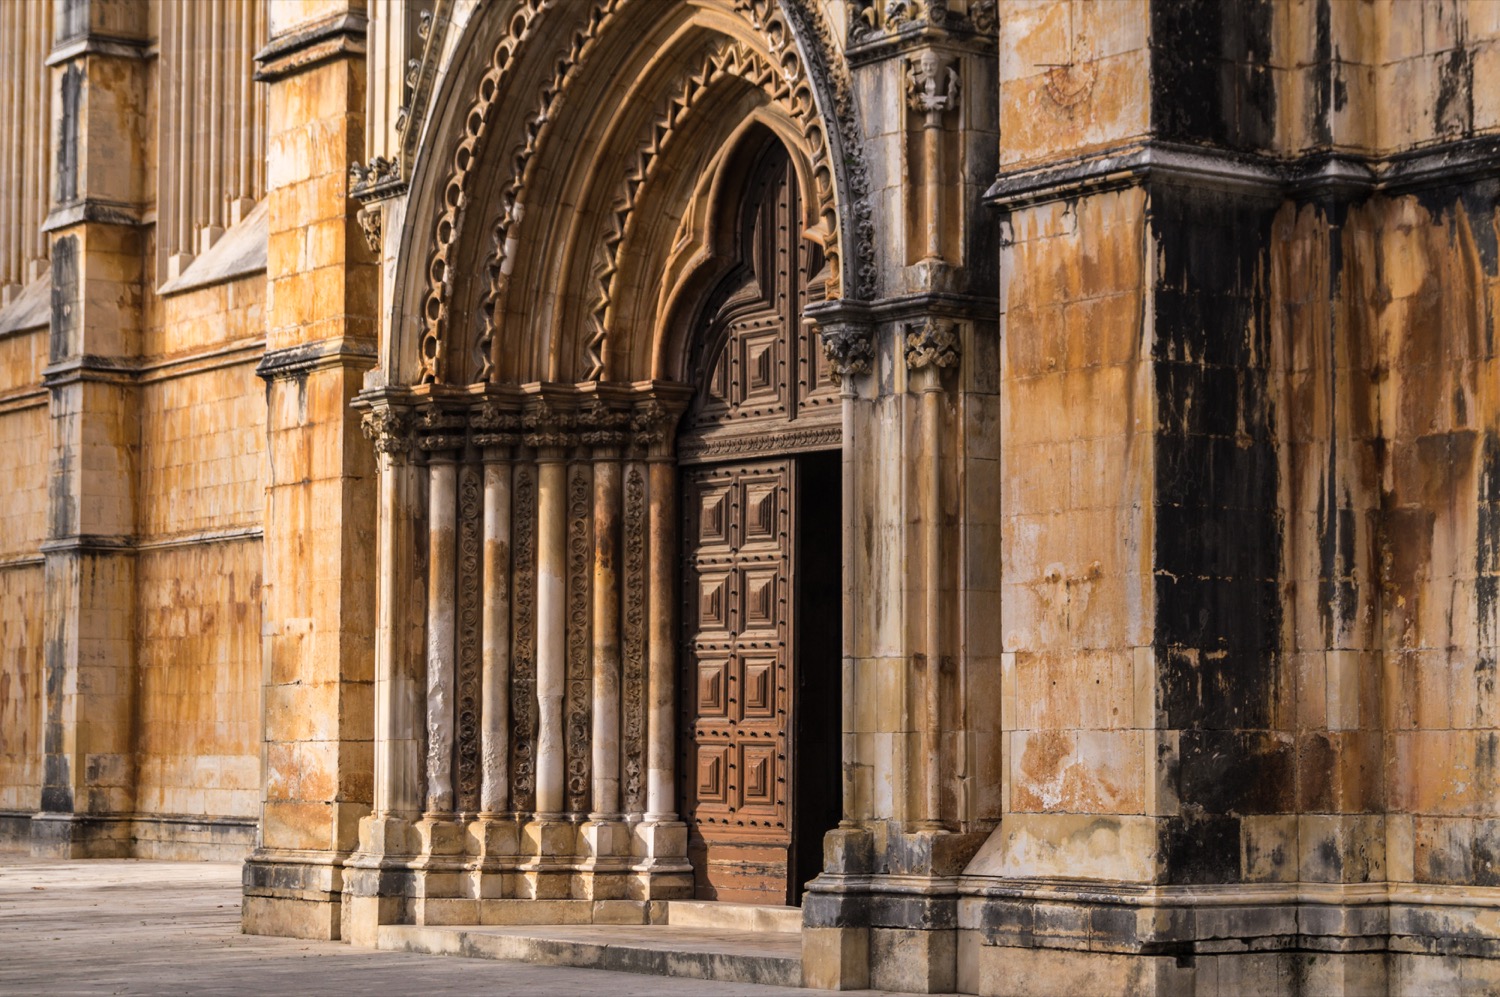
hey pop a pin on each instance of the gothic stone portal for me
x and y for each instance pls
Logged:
(760, 685)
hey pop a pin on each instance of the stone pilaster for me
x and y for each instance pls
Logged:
(98, 97)
(321, 499)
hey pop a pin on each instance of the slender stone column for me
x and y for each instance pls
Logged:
(442, 475)
(551, 631)
(661, 544)
(398, 735)
(606, 713)
(494, 790)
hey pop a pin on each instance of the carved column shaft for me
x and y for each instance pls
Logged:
(551, 630)
(606, 678)
(495, 708)
(442, 476)
(661, 613)
(398, 724)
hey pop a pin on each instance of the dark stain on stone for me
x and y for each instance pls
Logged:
(1236, 771)
(64, 323)
(1454, 109)
(1219, 529)
(67, 134)
(1212, 80)
(1321, 127)
(1487, 546)
(1200, 848)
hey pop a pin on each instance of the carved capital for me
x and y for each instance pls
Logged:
(547, 425)
(389, 430)
(849, 348)
(602, 424)
(931, 83)
(933, 343)
(490, 425)
(437, 430)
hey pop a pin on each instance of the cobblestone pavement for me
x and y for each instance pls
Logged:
(130, 927)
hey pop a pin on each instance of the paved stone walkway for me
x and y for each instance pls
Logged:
(127, 927)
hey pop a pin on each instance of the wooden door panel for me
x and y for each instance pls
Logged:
(736, 662)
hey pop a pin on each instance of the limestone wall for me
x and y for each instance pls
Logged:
(23, 512)
(199, 574)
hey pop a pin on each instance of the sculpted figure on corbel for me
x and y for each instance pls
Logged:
(932, 343)
(932, 82)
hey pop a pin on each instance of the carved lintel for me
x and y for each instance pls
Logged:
(389, 430)
(849, 347)
(931, 83)
(933, 343)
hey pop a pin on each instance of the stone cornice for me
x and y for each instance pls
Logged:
(116, 46)
(93, 209)
(309, 45)
(1316, 173)
(296, 361)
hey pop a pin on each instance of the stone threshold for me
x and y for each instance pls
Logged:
(726, 943)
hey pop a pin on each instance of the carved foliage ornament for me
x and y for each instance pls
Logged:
(849, 349)
(389, 430)
(874, 17)
(933, 343)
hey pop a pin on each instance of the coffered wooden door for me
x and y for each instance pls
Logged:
(764, 420)
(738, 683)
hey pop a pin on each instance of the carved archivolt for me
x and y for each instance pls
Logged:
(798, 86)
(729, 60)
(498, 266)
(454, 197)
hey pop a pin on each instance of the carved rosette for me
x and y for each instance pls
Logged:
(579, 661)
(850, 349)
(470, 588)
(932, 343)
(633, 665)
(389, 430)
(523, 642)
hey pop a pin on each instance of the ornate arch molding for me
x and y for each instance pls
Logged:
(472, 124)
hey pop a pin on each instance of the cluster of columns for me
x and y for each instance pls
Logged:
(526, 643)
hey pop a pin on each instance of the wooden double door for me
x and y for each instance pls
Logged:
(761, 690)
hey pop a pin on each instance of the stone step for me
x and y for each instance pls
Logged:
(726, 955)
(738, 917)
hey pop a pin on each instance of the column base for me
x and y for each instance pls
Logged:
(660, 866)
(293, 894)
(605, 870)
(80, 836)
(548, 851)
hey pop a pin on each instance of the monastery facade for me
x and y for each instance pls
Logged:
(1018, 480)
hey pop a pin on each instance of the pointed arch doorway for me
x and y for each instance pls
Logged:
(760, 689)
